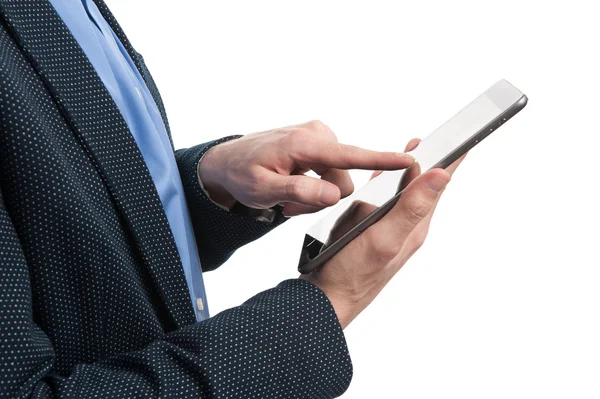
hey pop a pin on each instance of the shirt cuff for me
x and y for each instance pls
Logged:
(204, 189)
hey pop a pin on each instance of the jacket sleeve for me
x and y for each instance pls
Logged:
(285, 342)
(218, 232)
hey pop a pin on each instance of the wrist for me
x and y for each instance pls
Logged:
(212, 178)
(345, 309)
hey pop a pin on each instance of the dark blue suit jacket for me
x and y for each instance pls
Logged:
(93, 299)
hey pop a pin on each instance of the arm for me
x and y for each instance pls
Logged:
(218, 232)
(284, 342)
(266, 170)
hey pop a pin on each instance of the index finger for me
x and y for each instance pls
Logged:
(343, 156)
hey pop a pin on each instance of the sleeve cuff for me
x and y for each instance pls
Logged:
(313, 333)
(285, 342)
(204, 188)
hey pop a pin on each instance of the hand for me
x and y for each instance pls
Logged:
(359, 210)
(356, 275)
(264, 169)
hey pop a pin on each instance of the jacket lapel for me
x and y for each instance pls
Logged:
(138, 61)
(97, 122)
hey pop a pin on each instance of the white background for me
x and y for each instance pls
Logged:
(503, 300)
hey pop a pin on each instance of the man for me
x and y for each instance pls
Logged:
(105, 230)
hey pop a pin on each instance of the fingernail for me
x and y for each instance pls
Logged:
(436, 184)
(328, 195)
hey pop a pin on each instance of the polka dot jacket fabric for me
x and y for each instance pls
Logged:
(218, 232)
(93, 300)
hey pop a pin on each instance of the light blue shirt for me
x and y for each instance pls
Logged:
(129, 91)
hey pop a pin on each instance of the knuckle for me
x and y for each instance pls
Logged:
(316, 125)
(330, 134)
(415, 211)
(382, 248)
(295, 188)
(257, 177)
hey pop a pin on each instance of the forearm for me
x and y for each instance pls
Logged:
(218, 232)
(285, 342)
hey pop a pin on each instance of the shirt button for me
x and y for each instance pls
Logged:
(200, 304)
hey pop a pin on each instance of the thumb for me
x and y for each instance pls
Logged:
(302, 190)
(416, 202)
